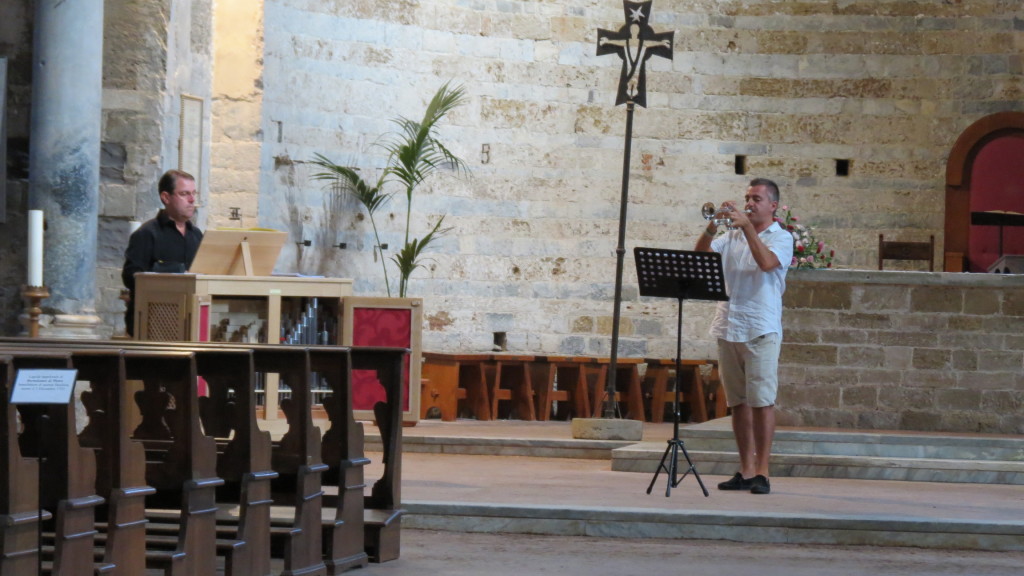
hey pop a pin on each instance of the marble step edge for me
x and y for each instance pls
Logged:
(938, 450)
(635, 459)
(951, 439)
(753, 527)
(540, 448)
(786, 442)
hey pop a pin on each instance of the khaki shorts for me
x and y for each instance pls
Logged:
(750, 370)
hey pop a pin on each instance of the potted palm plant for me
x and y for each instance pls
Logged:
(414, 153)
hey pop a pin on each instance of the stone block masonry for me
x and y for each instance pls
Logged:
(793, 86)
(903, 350)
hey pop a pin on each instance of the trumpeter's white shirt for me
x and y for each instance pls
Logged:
(755, 296)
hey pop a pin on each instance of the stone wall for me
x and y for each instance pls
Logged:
(792, 86)
(15, 45)
(154, 52)
(910, 351)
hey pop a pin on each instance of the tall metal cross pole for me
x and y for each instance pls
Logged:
(634, 43)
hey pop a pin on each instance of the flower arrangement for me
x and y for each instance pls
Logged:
(808, 251)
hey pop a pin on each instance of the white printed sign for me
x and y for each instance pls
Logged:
(38, 386)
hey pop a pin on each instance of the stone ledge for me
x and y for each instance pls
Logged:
(607, 429)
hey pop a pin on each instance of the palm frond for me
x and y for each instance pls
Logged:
(413, 154)
(348, 179)
(408, 258)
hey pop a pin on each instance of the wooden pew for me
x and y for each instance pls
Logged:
(121, 461)
(659, 382)
(185, 473)
(244, 460)
(342, 453)
(627, 385)
(455, 377)
(512, 382)
(244, 455)
(297, 458)
(383, 505)
(19, 488)
(249, 464)
(344, 545)
(69, 470)
(571, 395)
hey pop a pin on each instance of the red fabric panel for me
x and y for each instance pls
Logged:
(379, 327)
(204, 322)
(997, 183)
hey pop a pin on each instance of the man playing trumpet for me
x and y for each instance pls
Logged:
(756, 253)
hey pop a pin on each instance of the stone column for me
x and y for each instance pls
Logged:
(64, 160)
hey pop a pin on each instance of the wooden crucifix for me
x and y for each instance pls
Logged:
(634, 42)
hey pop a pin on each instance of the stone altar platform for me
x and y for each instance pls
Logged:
(533, 478)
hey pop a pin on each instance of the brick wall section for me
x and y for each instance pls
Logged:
(903, 350)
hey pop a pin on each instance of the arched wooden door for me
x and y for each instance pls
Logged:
(985, 172)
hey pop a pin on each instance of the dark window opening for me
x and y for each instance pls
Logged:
(842, 167)
(741, 164)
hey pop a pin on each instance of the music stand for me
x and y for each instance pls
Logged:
(684, 276)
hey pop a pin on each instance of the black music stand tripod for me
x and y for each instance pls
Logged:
(684, 276)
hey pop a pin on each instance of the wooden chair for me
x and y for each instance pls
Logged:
(898, 250)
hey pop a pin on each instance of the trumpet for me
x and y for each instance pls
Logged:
(713, 214)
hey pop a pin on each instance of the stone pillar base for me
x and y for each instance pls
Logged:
(68, 326)
(607, 429)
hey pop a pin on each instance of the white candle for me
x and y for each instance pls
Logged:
(133, 225)
(35, 247)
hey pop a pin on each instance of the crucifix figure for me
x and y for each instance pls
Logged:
(635, 42)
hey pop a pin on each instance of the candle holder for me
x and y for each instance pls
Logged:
(34, 295)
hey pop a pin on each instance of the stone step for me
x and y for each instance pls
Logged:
(870, 444)
(645, 457)
(906, 456)
(715, 438)
(478, 446)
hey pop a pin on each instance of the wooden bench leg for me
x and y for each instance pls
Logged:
(473, 379)
(512, 383)
(658, 377)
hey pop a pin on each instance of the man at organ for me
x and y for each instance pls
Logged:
(166, 243)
